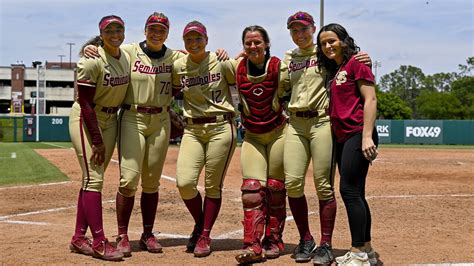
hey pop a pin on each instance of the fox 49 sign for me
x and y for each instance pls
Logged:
(423, 131)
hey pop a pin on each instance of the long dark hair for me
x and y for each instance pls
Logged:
(349, 48)
(264, 34)
(96, 41)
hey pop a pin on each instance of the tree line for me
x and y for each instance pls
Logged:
(407, 93)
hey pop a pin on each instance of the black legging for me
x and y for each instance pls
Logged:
(353, 168)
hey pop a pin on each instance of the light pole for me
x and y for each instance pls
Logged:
(70, 52)
(61, 58)
(321, 15)
(38, 66)
(376, 65)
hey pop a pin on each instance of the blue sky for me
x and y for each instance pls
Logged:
(434, 35)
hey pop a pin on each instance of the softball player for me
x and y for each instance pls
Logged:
(210, 137)
(309, 137)
(145, 130)
(353, 109)
(263, 187)
(102, 84)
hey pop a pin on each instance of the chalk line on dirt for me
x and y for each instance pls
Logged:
(37, 185)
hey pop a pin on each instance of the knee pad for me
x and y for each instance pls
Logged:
(253, 194)
(277, 193)
(276, 212)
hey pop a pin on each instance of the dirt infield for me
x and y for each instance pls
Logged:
(421, 200)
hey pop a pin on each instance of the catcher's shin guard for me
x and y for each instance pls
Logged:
(253, 200)
(276, 198)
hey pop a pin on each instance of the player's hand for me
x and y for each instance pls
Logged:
(369, 149)
(98, 154)
(177, 125)
(242, 54)
(222, 54)
(91, 51)
(364, 58)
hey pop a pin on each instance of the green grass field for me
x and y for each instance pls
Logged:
(20, 164)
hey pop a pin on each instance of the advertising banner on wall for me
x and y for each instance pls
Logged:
(424, 131)
(384, 131)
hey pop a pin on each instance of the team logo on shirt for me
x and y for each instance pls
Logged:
(295, 66)
(200, 80)
(145, 69)
(115, 81)
(341, 77)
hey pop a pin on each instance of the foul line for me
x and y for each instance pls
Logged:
(55, 145)
(35, 212)
(25, 222)
(38, 185)
(418, 196)
(44, 211)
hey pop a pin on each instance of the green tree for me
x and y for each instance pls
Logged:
(390, 106)
(440, 82)
(405, 82)
(465, 70)
(463, 90)
(438, 105)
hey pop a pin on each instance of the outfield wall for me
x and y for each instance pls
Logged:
(426, 131)
(23, 128)
(55, 128)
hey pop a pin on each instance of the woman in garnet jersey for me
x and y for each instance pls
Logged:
(353, 109)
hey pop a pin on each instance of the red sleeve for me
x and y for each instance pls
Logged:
(362, 71)
(86, 97)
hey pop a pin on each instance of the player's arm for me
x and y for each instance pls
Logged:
(89, 49)
(222, 54)
(86, 88)
(176, 85)
(284, 87)
(364, 58)
(85, 97)
(367, 90)
(241, 55)
(229, 68)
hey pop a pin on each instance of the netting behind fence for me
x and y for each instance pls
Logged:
(11, 128)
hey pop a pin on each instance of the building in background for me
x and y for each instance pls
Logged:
(57, 88)
(18, 88)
